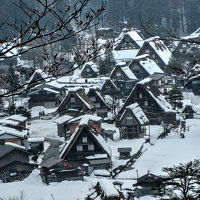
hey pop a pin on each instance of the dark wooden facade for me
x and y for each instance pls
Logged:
(127, 43)
(84, 148)
(109, 88)
(44, 97)
(130, 127)
(57, 170)
(157, 51)
(76, 100)
(90, 70)
(14, 164)
(150, 184)
(152, 103)
(100, 105)
(124, 79)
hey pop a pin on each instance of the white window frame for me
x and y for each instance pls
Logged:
(91, 147)
(79, 148)
(129, 118)
(84, 139)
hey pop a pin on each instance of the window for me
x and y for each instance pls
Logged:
(93, 98)
(97, 105)
(140, 95)
(147, 51)
(90, 147)
(180, 50)
(129, 118)
(153, 56)
(13, 174)
(88, 70)
(118, 74)
(72, 100)
(79, 148)
(84, 139)
(146, 103)
(184, 45)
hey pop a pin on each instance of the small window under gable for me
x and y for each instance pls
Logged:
(88, 70)
(84, 139)
(93, 98)
(79, 148)
(146, 103)
(147, 51)
(72, 99)
(129, 118)
(140, 96)
(118, 74)
(90, 147)
(97, 105)
(184, 45)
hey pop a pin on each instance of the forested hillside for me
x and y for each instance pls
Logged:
(181, 16)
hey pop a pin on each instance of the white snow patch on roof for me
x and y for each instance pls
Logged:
(139, 114)
(150, 66)
(15, 145)
(108, 188)
(129, 73)
(63, 119)
(18, 118)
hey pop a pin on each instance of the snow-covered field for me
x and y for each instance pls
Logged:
(169, 151)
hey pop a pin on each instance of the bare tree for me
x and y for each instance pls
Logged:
(37, 31)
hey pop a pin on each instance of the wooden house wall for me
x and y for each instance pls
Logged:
(130, 128)
(88, 72)
(75, 155)
(152, 110)
(127, 43)
(43, 98)
(101, 109)
(13, 140)
(181, 49)
(72, 105)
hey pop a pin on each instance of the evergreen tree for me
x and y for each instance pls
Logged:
(185, 179)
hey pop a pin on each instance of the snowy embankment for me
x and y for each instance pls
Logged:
(168, 152)
(33, 189)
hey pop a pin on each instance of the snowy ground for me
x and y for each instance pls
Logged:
(168, 152)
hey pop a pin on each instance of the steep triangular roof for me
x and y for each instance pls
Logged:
(80, 94)
(98, 138)
(154, 92)
(147, 64)
(98, 94)
(133, 35)
(159, 48)
(126, 71)
(137, 112)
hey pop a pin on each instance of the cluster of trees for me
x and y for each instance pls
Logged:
(184, 181)
(179, 15)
